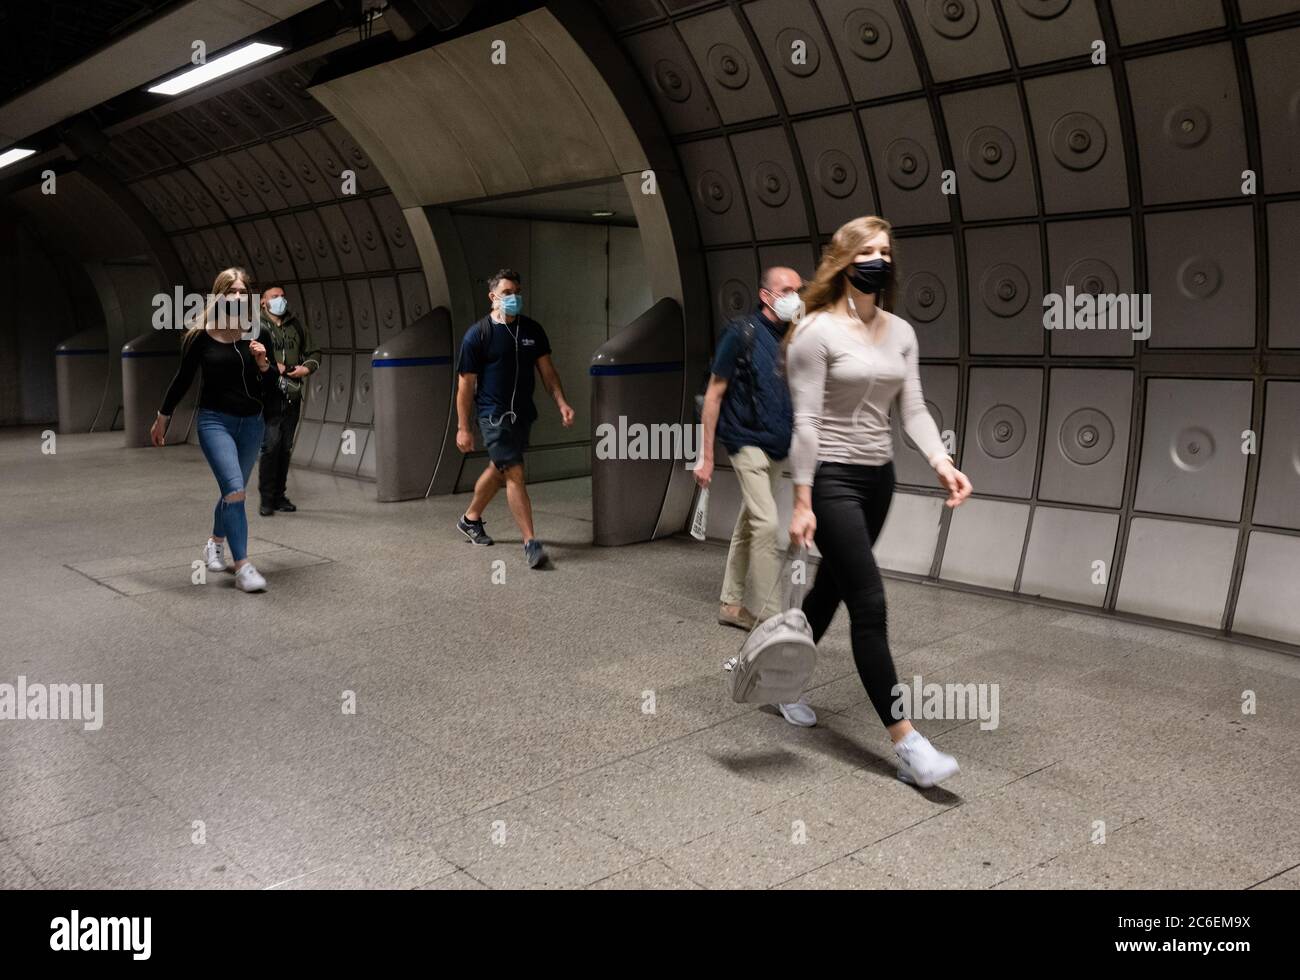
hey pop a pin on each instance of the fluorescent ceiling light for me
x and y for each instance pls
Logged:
(14, 155)
(202, 74)
(602, 214)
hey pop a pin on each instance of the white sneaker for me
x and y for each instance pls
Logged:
(798, 713)
(214, 555)
(247, 579)
(921, 764)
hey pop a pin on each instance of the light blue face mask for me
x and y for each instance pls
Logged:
(511, 305)
(277, 306)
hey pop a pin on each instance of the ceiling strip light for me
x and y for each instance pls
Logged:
(216, 68)
(14, 155)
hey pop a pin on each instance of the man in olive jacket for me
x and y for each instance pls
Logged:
(297, 359)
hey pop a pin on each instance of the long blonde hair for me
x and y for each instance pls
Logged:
(827, 285)
(226, 278)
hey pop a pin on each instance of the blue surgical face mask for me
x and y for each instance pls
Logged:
(277, 306)
(511, 305)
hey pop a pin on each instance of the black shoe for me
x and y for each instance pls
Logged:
(286, 505)
(266, 510)
(535, 553)
(473, 530)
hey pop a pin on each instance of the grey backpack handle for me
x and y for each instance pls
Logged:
(794, 591)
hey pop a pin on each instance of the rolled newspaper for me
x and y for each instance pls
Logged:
(701, 519)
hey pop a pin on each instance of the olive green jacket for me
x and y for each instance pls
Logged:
(289, 341)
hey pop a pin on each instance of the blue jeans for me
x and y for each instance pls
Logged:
(230, 443)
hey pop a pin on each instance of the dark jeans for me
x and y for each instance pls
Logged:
(229, 443)
(850, 503)
(277, 448)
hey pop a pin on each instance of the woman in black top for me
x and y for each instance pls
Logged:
(229, 421)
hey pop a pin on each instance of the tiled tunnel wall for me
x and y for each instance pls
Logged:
(1109, 472)
(253, 177)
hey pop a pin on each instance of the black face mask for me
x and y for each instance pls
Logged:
(871, 276)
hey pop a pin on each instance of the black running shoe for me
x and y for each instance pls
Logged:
(473, 530)
(535, 553)
(286, 505)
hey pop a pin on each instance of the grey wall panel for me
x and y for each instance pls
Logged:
(339, 399)
(1177, 571)
(986, 130)
(397, 234)
(294, 82)
(366, 233)
(1283, 259)
(905, 157)
(235, 252)
(1093, 257)
(1046, 30)
(168, 135)
(250, 112)
(939, 382)
(910, 535)
(1275, 70)
(1143, 20)
(1270, 588)
(796, 256)
(415, 295)
(1259, 9)
(362, 410)
(1187, 112)
(1192, 463)
(315, 315)
(305, 445)
(728, 65)
(365, 326)
(319, 243)
(733, 284)
(185, 141)
(327, 161)
(215, 184)
(210, 211)
(353, 157)
(347, 247)
(340, 314)
(160, 203)
(259, 260)
(624, 14)
(1005, 280)
(771, 183)
(193, 270)
(1064, 547)
(1002, 427)
(318, 388)
(122, 161)
(230, 119)
(282, 266)
(275, 102)
(872, 47)
(716, 192)
(281, 174)
(1202, 266)
(304, 168)
(630, 294)
(268, 192)
(1085, 454)
(327, 446)
(205, 123)
(216, 249)
(366, 468)
(984, 543)
(928, 294)
(300, 250)
(1277, 499)
(1079, 143)
(248, 201)
(799, 53)
(673, 80)
(388, 306)
(960, 37)
(836, 169)
(351, 453)
(191, 214)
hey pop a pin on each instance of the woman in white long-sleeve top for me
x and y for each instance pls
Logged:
(847, 361)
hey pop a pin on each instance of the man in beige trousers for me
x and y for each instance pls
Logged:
(747, 408)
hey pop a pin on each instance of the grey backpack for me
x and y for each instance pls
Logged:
(778, 657)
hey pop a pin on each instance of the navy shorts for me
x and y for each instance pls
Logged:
(505, 442)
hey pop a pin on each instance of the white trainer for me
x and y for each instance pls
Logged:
(214, 555)
(921, 764)
(798, 713)
(248, 579)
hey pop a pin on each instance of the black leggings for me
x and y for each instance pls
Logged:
(850, 503)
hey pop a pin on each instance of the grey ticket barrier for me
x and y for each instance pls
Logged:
(149, 363)
(413, 376)
(637, 397)
(81, 366)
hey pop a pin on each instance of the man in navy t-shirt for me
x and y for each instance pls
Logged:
(497, 360)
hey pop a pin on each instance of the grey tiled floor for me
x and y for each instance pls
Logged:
(500, 738)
